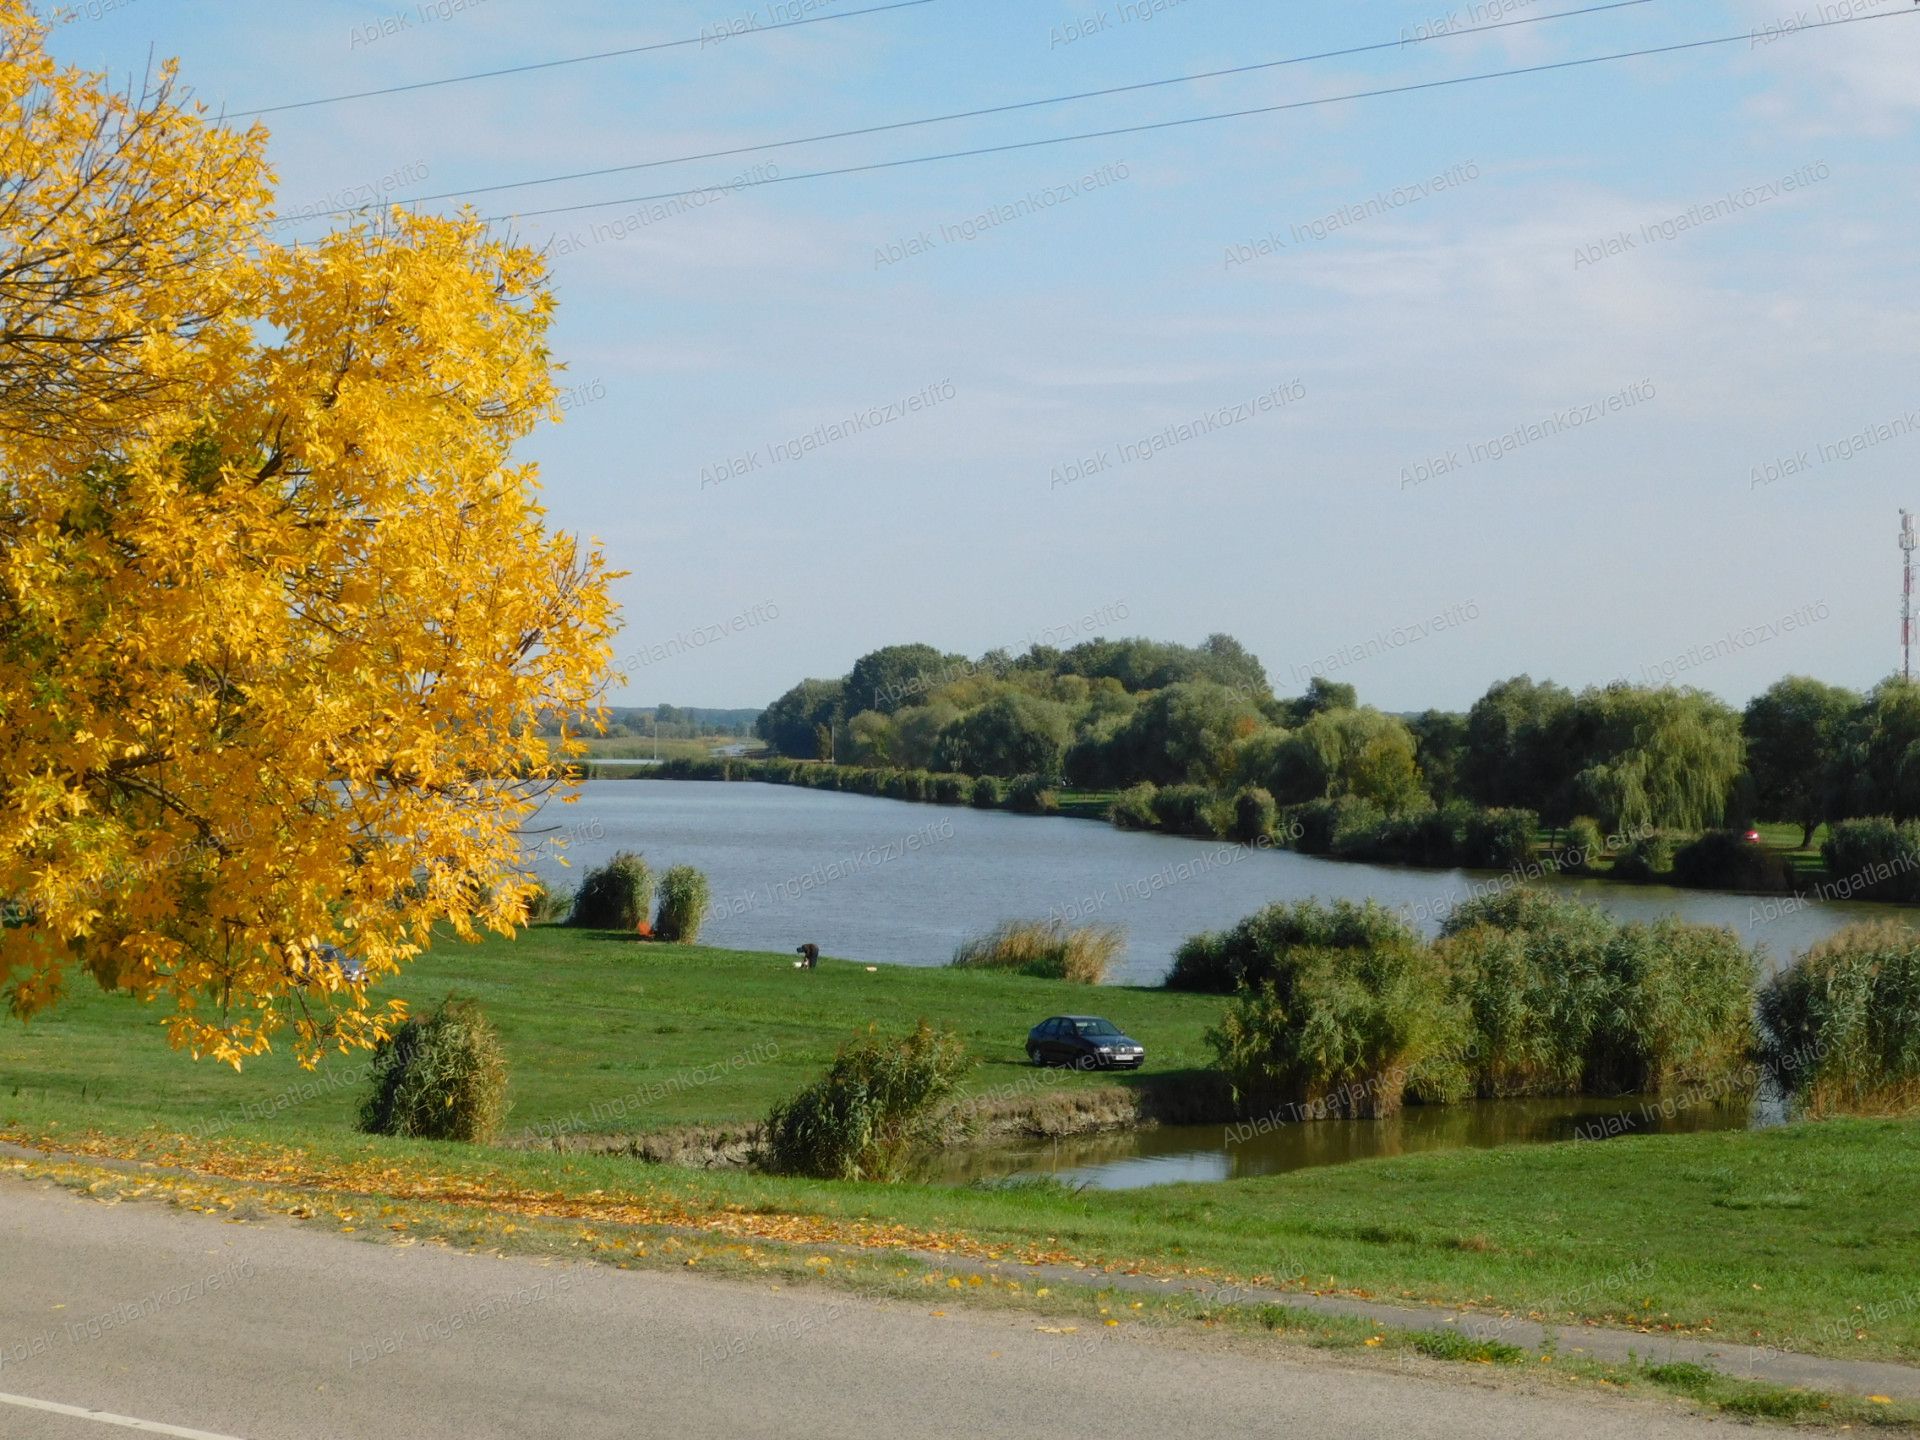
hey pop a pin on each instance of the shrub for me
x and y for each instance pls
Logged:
(1343, 1032)
(1045, 950)
(1727, 860)
(1191, 810)
(1499, 839)
(1586, 844)
(1648, 857)
(617, 896)
(986, 793)
(1430, 837)
(1256, 949)
(878, 1103)
(1355, 824)
(1133, 809)
(1530, 968)
(1684, 1012)
(1032, 795)
(1531, 1018)
(547, 906)
(1526, 908)
(1877, 858)
(1562, 1001)
(684, 902)
(1841, 1025)
(1312, 826)
(1326, 827)
(950, 789)
(1255, 816)
(443, 1077)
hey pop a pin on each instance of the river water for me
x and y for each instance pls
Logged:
(889, 882)
(1167, 1154)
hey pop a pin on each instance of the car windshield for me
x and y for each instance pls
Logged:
(1095, 1027)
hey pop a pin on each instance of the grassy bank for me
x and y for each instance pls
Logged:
(645, 747)
(606, 1033)
(1799, 1237)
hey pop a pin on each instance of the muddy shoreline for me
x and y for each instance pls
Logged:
(1037, 1108)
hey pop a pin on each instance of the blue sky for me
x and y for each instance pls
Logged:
(1322, 430)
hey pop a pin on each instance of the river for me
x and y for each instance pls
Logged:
(885, 881)
(1169, 1154)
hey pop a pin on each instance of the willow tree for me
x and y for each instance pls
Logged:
(279, 613)
(1879, 760)
(1664, 757)
(1363, 753)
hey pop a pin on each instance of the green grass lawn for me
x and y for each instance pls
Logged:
(642, 747)
(1550, 841)
(1087, 804)
(662, 1035)
(1803, 1237)
(1785, 838)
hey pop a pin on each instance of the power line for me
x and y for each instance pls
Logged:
(572, 60)
(1176, 124)
(1017, 105)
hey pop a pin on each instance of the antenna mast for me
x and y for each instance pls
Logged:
(1909, 542)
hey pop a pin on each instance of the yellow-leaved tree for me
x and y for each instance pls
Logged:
(280, 617)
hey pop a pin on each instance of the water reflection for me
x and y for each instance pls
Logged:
(1127, 1160)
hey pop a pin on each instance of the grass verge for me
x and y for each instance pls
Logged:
(1078, 1316)
(1800, 1237)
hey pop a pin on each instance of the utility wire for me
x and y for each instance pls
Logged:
(1018, 105)
(1175, 124)
(572, 60)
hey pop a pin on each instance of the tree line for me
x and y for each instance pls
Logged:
(1110, 714)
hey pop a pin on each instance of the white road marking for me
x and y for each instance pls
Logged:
(107, 1417)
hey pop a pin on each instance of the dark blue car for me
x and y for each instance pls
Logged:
(1085, 1042)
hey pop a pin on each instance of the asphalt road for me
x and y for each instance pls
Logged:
(185, 1325)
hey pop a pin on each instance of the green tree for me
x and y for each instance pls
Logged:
(1796, 733)
(1440, 748)
(871, 740)
(1184, 734)
(1520, 746)
(1881, 755)
(1322, 695)
(899, 675)
(1012, 734)
(917, 733)
(793, 724)
(1362, 753)
(1666, 757)
(1142, 665)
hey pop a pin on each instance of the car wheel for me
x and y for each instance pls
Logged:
(1034, 1057)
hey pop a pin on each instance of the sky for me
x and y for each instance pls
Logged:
(1602, 372)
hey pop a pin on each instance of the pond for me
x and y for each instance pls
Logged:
(1168, 1154)
(889, 882)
